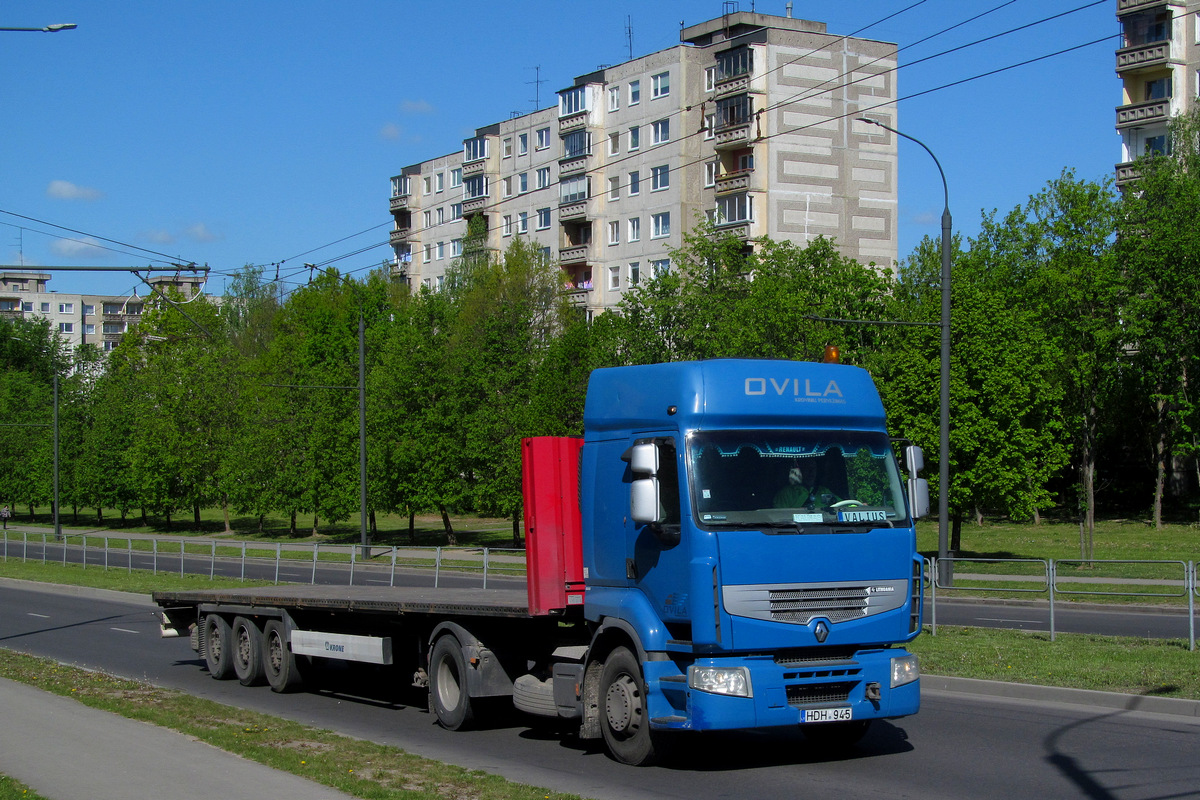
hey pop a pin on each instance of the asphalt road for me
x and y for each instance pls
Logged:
(958, 746)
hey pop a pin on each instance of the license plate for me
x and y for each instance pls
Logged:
(827, 714)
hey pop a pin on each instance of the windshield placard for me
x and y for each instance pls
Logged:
(862, 516)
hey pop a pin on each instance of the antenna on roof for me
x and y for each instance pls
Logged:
(537, 83)
(629, 34)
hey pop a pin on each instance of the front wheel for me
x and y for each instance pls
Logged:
(448, 697)
(624, 715)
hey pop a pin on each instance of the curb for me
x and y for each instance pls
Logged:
(1174, 706)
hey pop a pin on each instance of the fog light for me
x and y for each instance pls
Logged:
(733, 681)
(905, 669)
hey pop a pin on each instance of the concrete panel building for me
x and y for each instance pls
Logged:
(749, 121)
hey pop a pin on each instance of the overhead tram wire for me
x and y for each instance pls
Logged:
(169, 258)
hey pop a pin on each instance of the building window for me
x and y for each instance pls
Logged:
(508, 225)
(660, 85)
(46, 308)
(522, 144)
(543, 177)
(89, 329)
(660, 178)
(614, 278)
(572, 101)
(455, 248)
(614, 188)
(89, 310)
(455, 178)
(506, 187)
(427, 216)
(614, 144)
(614, 232)
(475, 186)
(112, 308)
(660, 131)
(577, 144)
(745, 161)
(506, 149)
(543, 220)
(710, 126)
(660, 267)
(635, 92)
(428, 253)
(635, 138)
(574, 189)
(635, 182)
(733, 63)
(113, 327)
(710, 172)
(523, 183)
(66, 308)
(427, 184)
(735, 208)
(475, 149)
(26, 306)
(455, 211)
(439, 182)
(635, 229)
(614, 98)
(441, 250)
(440, 214)
(399, 186)
(710, 78)
(734, 111)
(9, 305)
(660, 225)
(109, 346)
(635, 273)
(523, 222)
(543, 138)
(1157, 145)
(1159, 89)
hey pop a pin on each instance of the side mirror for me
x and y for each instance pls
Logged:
(914, 457)
(918, 497)
(644, 459)
(644, 505)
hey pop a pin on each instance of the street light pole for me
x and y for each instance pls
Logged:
(62, 26)
(945, 573)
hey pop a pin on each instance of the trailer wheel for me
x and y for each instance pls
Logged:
(624, 717)
(448, 697)
(218, 647)
(279, 662)
(247, 652)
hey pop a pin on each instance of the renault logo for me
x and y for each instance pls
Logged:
(821, 631)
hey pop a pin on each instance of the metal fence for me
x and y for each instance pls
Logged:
(1159, 581)
(259, 561)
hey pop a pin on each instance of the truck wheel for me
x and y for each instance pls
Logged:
(218, 647)
(624, 718)
(836, 735)
(279, 662)
(247, 652)
(448, 698)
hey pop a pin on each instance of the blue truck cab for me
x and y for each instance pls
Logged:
(749, 552)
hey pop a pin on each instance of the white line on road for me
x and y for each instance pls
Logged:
(1002, 619)
(39, 616)
(123, 630)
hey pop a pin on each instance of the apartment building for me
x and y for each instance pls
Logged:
(1159, 67)
(749, 121)
(101, 320)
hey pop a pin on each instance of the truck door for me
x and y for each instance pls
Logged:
(657, 556)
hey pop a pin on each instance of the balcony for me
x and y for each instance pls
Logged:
(398, 236)
(740, 229)
(1142, 57)
(570, 166)
(1131, 6)
(399, 202)
(1147, 113)
(474, 168)
(573, 122)
(733, 137)
(573, 210)
(1127, 172)
(736, 85)
(734, 181)
(576, 254)
(474, 205)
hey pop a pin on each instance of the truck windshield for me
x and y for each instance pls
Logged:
(804, 481)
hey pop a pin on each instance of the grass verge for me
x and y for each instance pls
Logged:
(12, 789)
(1160, 667)
(138, 581)
(353, 766)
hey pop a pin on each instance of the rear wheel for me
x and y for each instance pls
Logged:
(279, 663)
(448, 697)
(218, 648)
(247, 652)
(624, 717)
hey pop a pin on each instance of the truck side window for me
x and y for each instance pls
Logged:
(668, 476)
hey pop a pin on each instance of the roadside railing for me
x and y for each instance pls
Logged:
(264, 561)
(1155, 581)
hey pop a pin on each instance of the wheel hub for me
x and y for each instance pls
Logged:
(622, 705)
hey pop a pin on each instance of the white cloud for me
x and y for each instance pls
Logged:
(65, 190)
(159, 237)
(926, 218)
(79, 249)
(416, 107)
(200, 233)
(391, 132)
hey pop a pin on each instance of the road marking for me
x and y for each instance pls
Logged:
(123, 630)
(39, 616)
(1002, 619)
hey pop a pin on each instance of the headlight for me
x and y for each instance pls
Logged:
(721, 680)
(905, 669)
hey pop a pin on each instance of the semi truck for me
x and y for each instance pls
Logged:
(730, 545)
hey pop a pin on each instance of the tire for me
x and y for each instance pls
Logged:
(448, 697)
(279, 662)
(835, 736)
(624, 716)
(218, 647)
(247, 652)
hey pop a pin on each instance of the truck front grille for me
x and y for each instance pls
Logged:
(805, 694)
(801, 603)
(836, 605)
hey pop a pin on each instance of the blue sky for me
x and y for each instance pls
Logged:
(232, 133)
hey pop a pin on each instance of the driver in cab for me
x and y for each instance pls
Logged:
(804, 489)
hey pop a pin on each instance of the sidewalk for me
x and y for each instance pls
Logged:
(65, 750)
